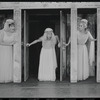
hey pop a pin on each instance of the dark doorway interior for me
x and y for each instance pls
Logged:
(38, 21)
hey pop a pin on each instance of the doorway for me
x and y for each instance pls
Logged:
(37, 21)
(91, 16)
(37, 25)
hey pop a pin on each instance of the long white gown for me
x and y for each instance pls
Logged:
(48, 63)
(83, 56)
(6, 60)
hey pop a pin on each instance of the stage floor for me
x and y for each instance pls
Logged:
(35, 89)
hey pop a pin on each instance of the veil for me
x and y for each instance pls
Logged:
(45, 34)
(6, 24)
(91, 52)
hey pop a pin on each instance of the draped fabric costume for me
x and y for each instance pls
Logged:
(6, 54)
(85, 56)
(91, 53)
(48, 63)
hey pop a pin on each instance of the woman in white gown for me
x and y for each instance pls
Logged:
(7, 40)
(47, 63)
(83, 36)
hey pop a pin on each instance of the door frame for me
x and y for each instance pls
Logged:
(26, 67)
(73, 67)
(63, 37)
(26, 49)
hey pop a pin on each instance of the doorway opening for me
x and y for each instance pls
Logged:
(91, 16)
(37, 21)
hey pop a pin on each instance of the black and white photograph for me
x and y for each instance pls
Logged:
(49, 50)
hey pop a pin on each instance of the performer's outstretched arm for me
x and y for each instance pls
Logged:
(34, 42)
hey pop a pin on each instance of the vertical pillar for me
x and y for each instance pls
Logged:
(98, 45)
(61, 50)
(73, 69)
(17, 47)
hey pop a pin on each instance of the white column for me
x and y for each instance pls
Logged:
(17, 47)
(98, 45)
(73, 69)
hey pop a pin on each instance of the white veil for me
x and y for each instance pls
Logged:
(6, 25)
(91, 45)
(45, 34)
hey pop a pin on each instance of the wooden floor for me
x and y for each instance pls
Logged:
(35, 89)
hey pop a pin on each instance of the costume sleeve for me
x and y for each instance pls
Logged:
(91, 55)
(90, 36)
(41, 38)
